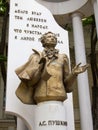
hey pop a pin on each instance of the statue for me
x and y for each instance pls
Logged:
(46, 76)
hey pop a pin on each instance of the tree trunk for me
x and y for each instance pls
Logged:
(94, 68)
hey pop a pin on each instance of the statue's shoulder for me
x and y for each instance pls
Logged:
(35, 54)
(64, 56)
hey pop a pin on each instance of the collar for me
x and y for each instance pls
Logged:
(50, 53)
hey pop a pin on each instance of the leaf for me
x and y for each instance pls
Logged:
(3, 7)
(88, 20)
(3, 58)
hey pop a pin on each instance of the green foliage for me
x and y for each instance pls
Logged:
(88, 20)
(3, 58)
(3, 7)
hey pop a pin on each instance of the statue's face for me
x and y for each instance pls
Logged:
(50, 40)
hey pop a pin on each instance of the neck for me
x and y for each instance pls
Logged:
(51, 53)
(50, 48)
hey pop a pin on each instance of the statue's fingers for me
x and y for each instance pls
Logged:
(86, 66)
(78, 64)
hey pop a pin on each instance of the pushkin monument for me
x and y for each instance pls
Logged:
(46, 76)
(27, 25)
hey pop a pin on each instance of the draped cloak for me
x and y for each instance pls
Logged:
(42, 80)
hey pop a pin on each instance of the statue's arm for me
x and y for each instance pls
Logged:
(71, 77)
(69, 81)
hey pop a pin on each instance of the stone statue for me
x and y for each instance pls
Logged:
(46, 76)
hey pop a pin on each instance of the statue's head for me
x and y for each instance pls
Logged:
(48, 39)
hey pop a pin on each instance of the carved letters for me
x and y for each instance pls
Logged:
(53, 123)
(34, 24)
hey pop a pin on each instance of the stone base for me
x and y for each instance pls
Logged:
(50, 115)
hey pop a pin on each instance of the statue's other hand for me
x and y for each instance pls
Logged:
(42, 60)
(42, 63)
(79, 69)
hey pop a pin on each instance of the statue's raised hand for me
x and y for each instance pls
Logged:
(79, 69)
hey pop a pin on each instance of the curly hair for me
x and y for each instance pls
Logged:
(44, 36)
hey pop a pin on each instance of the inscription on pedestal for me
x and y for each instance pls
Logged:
(53, 123)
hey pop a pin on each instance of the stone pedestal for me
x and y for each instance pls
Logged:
(50, 115)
